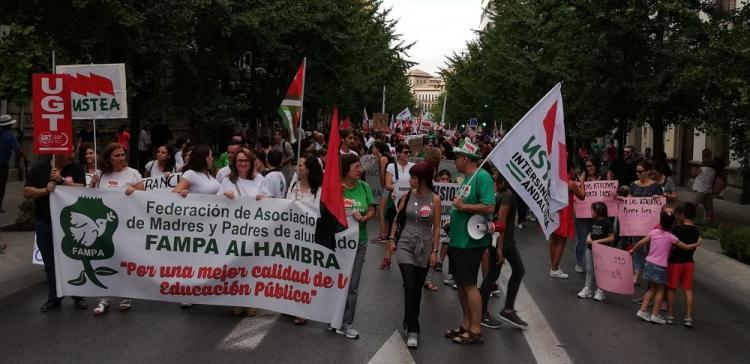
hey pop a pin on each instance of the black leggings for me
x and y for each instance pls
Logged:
(493, 273)
(413, 280)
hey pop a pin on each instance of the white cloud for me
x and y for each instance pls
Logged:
(439, 28)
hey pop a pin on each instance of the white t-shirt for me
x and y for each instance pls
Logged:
(244, 187)
(201, 183)
(90, 176)
(118, 181)
(704, 181)
(223, 173)
(275, 184)
(351, 151)
(401, 184)
(178, 161)
(154, 170)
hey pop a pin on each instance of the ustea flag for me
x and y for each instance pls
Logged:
(291, 107)
(532, 158)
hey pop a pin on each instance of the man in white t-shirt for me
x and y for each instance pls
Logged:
(347, 141)
(275, 183)
(232, 149)
(703, 184)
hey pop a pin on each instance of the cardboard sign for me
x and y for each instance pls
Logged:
(613, 269)
(639, 215)
(446, 192)
(380, 120)
(53, 124)
(597, 191)
(416, 142)
(371, 173)
(97, 91)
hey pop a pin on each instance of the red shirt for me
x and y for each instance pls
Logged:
(123, 139)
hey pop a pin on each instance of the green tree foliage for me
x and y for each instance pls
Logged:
(622, 64)
(216, 61)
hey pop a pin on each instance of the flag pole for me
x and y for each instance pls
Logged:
(301, 110)
(382, 109)
(442, 116)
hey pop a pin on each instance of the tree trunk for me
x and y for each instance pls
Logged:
(658, 139)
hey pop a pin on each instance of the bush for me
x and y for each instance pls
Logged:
(735, 242)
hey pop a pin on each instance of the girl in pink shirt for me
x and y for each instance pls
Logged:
(655, 270)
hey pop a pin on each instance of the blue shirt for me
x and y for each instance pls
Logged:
(8, 144)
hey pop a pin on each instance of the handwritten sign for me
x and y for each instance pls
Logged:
(162, 182)
(597, 191)
(613, 269)
(639, 215)
(446, 192)
(371, 171)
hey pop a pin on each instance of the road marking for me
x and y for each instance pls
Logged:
(250, 331)
(543, 342)
(394, 350)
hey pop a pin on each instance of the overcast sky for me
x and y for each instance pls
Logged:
(439, 27)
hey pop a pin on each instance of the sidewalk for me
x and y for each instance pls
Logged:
(16, 270)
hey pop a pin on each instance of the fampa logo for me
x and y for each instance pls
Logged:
(89, 226)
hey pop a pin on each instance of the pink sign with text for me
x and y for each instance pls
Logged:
(597, 191)
(613, 269)
(639, 215)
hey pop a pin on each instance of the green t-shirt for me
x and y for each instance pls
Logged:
(359, 199)
(481, 190)
(222, 161)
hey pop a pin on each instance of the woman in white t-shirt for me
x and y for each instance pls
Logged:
(87, 158)
(274, 178)
(197, 178)
(243, 182)
(196, 175)
(307, 188)
(163, 165)
(397, 183)
(115, 175)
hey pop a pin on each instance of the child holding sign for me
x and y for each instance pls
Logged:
(655, 270)
(601, 233)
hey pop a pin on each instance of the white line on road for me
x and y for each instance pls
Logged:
(542, 340)
(394, 350)
(250, 331)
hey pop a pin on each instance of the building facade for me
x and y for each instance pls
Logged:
(425, 88)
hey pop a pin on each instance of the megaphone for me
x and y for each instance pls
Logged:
(479, 226)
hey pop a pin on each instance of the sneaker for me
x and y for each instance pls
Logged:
(645, 316)
(579, 268)
(80, 304)
(688, 322)
(412, 340)
(450, 282)
(490, 322)
(330, 328)
(350, 333)
(657, 319)
(670, 320)
(585, 293)
(496, 292)
(600, 295)
(51, 304)
(557, 274)
(386, 264)
(512, 319)
(439, 267)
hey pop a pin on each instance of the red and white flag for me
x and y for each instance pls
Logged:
(533, 159)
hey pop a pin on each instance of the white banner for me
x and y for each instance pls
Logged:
(200, 249)
(97, 91)
(532, 157)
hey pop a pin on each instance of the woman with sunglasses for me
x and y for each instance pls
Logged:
(644, 186)
(583, 225)
(397, 183)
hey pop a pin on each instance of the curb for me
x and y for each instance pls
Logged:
(726, 273)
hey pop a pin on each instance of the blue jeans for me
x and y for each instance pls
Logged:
(351, 297)
(583, 228)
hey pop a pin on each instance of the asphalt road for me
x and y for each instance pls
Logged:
(584, 330)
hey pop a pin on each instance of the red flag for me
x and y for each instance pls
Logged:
(332, 214)
(346, 124)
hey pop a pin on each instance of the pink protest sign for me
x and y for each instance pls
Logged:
(597, 191)
(613, 269)
(639, 215)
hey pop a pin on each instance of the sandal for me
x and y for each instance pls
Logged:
(125, 304)
(101, 308)
(431, 286)
(300, 321)
(450, 334)
(470, 338)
